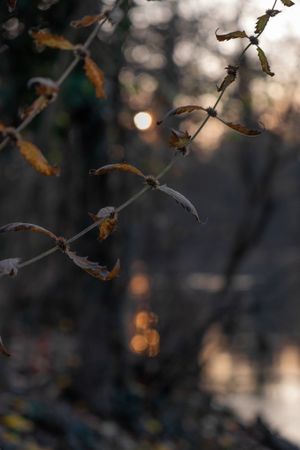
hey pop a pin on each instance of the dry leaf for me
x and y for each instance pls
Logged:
(263, 20)
(232, 35)
(52, 40)
(93, 268)
(87, 21)
(230, 78)
(287, 2)
(20, 226)
(107, 219)
(261, 23)
(9, 266)
(181, 110)
(36, 159)
(180, 140)
(95, 75)
(241, 128)
(44, 86)
(264, 62)
(35, 108)
(122, 167)
(181, 199)
(3, 350)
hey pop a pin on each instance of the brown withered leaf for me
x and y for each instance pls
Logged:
(9, 266)
(36, 159)
(3, 349)
(264, 62)
(44, 86)
(232, 35)
(181, 110)
(87, 21)
(181, 199)
(261, 23)
(241, 128)
(93, 268)
(108, 219)
(95, 75)
(287, 2)
(121, 167)
(52, 40)
(21, 226)
(36, 107)
(107, 227)
(230, 78)
(11, 5)
(179, 140)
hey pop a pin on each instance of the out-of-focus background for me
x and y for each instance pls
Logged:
(203, 318)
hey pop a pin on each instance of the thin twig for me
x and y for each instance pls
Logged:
(66, 72)
(142, 191)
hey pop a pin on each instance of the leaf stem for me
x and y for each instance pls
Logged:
(66, 72)
(142, 191)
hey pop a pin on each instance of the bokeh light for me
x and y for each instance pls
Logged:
(143, 120)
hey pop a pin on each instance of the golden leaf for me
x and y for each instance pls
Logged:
(35, 108)
(87, 21)
(36, 159)
(107, 219)
(264, 62)
(52, 40)
(232, 35)
(95, 75)
(179, 140)
(122, 167)
(181, 110)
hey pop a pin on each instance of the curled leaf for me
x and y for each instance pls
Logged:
(9, 266)
(181, 199)
(20, 226)
(52, 40)
(179, 140)
(181, 110)
(232, 35)
(95, 75)
(44, 86)
(261, 23)
(36, 159)
(241, 128)
(230, 78)
(93, 268)
(121, 167)
(3, 349)
(287, 2)
(108, 220)
(264, 62)
(87, 21)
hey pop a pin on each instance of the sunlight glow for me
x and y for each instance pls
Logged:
(143, 120)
